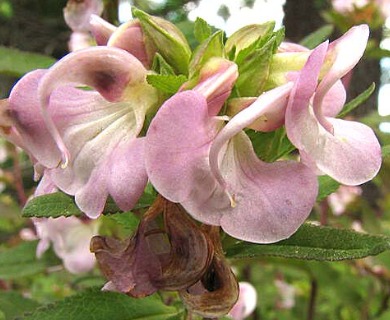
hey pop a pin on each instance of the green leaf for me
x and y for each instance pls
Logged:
(13, 304)
(102, 305)
(271, 146)
(21, 261)
(202, 30)
(326, 186)
(357, 101)
(128, 220)
(312, 242)
(385, 151)
(318, 36)
(17, 63)
(51, 205)
(167, 83)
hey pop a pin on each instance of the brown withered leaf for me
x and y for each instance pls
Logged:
(191, 250)
(129, 265)
(172, 258)
(217, 291)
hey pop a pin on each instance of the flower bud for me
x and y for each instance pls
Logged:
(167, 39)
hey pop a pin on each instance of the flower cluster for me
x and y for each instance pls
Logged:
(141, 107)
(83, 123)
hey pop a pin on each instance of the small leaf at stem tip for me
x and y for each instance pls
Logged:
(319, 243)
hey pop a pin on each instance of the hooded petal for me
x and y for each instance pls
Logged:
(182, 170)
(90, 131)
(174, 164)
(343, 54)
(129, 36)
(350, 154)
(100, 29)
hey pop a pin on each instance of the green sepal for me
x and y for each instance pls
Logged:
(202, 30)
(167, 39)
(254, 64)
(211, 47)
(246, 36)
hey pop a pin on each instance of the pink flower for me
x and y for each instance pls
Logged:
(77, 14)
(91, 133)
(194, 158)
(347, 151)
(247, 301)
(70, 238)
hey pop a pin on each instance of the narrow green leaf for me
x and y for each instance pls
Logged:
(357, 101)
(21, 261)
(318, 36)
(167, 83)
(326, 186)
(16, 63)
(13, 304)
(51, 205)
(202, 30)
(312, 242)
(102, 305)
(385, 151)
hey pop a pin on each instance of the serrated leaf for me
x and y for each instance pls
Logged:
(102, 305)
(312, 242)
(167, 83)
(318, 36)
(327, 185)
(202, 30)
(13, 304)
(17, 63)
(51, 205)
(21, 261)
(357, 101)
